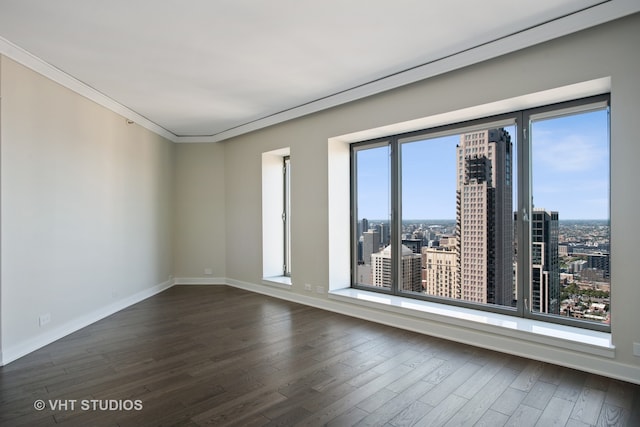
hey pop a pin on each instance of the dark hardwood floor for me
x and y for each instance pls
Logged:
(215, 355)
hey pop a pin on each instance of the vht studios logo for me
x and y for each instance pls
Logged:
(88, 405)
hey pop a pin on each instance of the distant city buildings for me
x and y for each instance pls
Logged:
(474, 256)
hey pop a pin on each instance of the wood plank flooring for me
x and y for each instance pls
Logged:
(216, 355)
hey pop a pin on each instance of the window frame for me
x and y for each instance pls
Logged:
(286, 214)
(273, 232)
(522, 159)
(557, 110)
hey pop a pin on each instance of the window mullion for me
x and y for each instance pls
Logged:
(354, 214)
(523, 213)
(396, 215)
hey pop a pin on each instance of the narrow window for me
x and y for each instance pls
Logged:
(286, 214)
(276, 216)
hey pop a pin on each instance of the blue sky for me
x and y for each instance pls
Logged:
(571, 165)
(570, 172)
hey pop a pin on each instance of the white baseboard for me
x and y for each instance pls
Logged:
(22, 349)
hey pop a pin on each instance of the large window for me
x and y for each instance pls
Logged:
(507, 214)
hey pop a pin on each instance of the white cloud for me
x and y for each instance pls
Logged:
(573, 153)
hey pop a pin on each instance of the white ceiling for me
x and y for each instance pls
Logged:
(212, 69)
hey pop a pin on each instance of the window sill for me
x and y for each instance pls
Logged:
(562, 336)
(283, 282)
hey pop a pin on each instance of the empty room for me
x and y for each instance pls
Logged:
(319, 213)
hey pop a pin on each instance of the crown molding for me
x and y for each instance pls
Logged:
(42, 67)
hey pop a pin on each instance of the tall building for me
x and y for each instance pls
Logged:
(381, 269)
(545, 266)
(484, 217)
(363, 226)
(384, 234)
(370, 245)
(440, 273)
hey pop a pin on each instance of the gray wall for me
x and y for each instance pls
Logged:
(86, 210)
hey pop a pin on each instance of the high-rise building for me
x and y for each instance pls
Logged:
(363, 226)
(381, 269)
(484, 217)
(439, 273)
(545, 266)
(370, 245)
(384, 234)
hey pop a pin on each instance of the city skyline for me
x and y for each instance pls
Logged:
(475, 177)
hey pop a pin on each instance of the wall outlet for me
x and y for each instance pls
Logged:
(307, 287)
(208, 271)
(319, 290)
(636, 348)
(43, 319)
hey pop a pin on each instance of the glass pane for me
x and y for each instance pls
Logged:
(373, 207)
(570, 236)
(457, 216)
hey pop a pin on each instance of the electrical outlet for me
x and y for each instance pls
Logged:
(307, 287)
(43, 319)
(636, 348)
(208, 272)
(319, 290)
